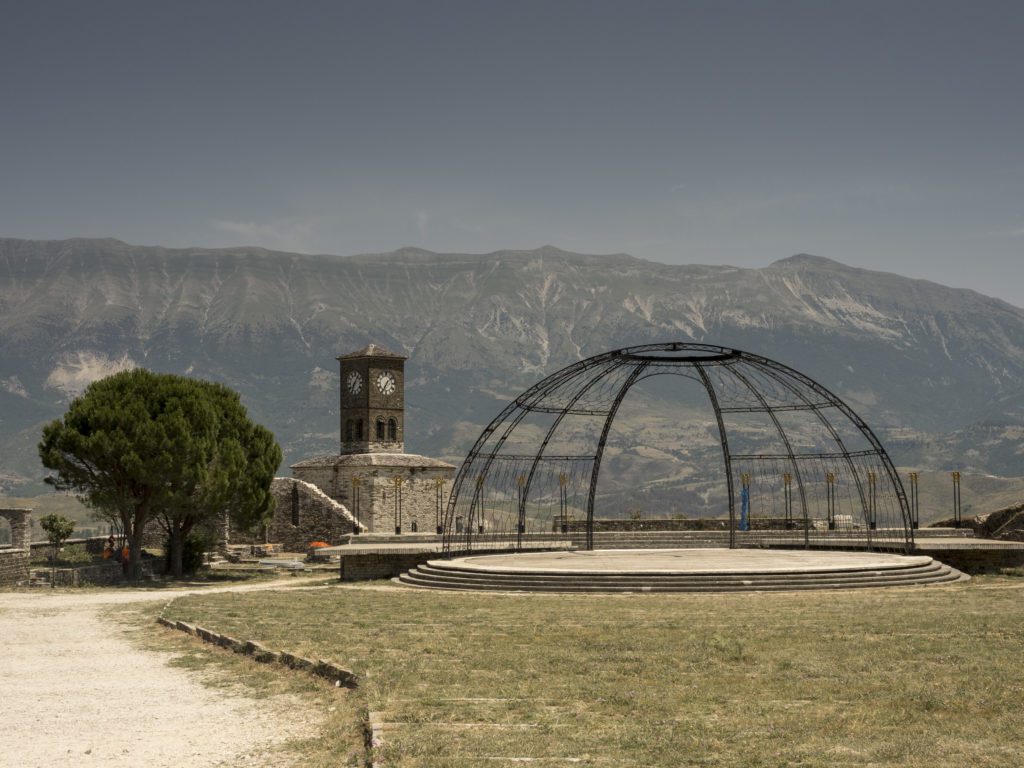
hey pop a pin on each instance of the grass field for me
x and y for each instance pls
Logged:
(910, 677)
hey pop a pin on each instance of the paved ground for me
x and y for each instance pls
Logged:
(75, 692)
(688, 561)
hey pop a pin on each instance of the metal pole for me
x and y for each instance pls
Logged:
(439, 498)
(398, 505)
(787, 497)
(356, 482)
(872, 509)
(563, 501)
(915, 513)
(830, 499)
(957, 520)
(521, 527)
(480, 492)
(599, 452)
(726, 456)
(745, 501)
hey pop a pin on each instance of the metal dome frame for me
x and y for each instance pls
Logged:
(504, 494)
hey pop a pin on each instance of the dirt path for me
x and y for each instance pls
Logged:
(75, 692)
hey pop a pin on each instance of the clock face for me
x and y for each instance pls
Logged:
(354, 382)
(386, 382)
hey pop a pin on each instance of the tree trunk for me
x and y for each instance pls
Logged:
(177, 541)
(135, 538)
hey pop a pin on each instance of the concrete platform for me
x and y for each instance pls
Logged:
(679, 570)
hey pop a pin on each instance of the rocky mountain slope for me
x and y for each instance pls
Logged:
(939, 371)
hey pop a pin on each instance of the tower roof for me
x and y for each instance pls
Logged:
(372, 350)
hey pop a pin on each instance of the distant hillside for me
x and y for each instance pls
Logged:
(939, 371)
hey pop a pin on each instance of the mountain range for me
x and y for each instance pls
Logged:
(937, 371)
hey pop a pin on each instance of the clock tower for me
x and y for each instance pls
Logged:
(372, 401)
(382, 488)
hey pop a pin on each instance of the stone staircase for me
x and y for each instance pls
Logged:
(440, 574)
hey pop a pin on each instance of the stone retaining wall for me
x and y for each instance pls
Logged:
(363, 566)
(92, 545)
(695, 524)
(974, 561)
(13, 566)
(97, 575)
(14, 559)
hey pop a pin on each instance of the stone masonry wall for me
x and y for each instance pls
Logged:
(362, 566)
(14, 560)
(419, 500)
(975, 560)
(687, 524)
(302, 514)
(376, 507)
(13, 566)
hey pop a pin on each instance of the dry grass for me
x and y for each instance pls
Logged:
(910, 677)
(339, 714)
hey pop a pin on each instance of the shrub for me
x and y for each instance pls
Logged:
(192, 554)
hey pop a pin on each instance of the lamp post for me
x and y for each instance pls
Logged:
(480, 496)
(439, 498)
(787, 495)
(521, 527)
(830, 499)
(356, 483)
(563, 501)
(957, 521)
(398, 505)
(872, 501)
(915, 516)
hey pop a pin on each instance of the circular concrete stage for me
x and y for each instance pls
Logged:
(679, 570)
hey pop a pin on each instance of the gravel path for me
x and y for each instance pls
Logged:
(76, 692)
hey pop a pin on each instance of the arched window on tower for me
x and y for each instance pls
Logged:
(359, 429)
(380, 429)
(350, 431)
(392, 430)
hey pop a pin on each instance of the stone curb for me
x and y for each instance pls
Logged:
(375, 726)
(328, 670)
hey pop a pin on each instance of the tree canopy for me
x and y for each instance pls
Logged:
(140, 447)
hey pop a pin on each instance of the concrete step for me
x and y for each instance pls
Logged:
(439, 569)
(436, 575)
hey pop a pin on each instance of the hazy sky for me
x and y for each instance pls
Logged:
(888, 135)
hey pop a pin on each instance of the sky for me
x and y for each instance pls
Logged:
(885, 135)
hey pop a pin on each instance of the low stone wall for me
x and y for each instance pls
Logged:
(14, 560)
(975, 561)
(101, 574)
(13, 566)
(92, 545)
(363, 566)
(673, 524)
(96, 575)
